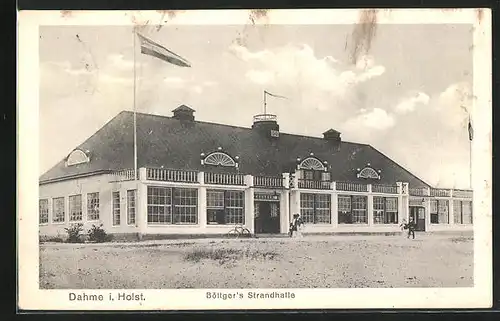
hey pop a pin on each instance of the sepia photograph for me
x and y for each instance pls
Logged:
(258, 156)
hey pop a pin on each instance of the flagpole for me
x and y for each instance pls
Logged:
(135, 111)
(470, 156)
(265, 103)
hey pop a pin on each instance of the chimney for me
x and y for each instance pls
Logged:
(332, 135)
(184, 112)
(266, 124)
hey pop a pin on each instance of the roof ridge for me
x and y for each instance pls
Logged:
(238, 127)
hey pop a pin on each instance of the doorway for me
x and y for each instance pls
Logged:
(418, 215)
(267, 217)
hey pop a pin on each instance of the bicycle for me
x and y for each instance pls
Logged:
(239, 231)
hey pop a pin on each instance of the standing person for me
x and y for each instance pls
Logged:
(300, 225)
(411, 228)
(293, 225)
(403, 226)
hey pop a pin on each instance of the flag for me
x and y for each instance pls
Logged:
(149, 47)
(471, 131)
(273, 95)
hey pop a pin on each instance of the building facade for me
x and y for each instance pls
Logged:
(198, 178)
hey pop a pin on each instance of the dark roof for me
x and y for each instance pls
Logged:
(172, 143)
(331, 131)
(184, 108)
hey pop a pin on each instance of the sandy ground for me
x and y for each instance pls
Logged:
(312, 261)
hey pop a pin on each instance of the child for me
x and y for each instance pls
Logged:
(293, 225)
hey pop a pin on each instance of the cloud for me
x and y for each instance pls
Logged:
(260, 77)
(408, 104)
(457, 95)
(197, 89)
(298, 66)
(377, 119)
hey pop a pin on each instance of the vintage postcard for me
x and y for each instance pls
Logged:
(254, 159)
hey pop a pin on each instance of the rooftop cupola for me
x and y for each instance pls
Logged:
(332, 135)
(184, 112)
(267, 124)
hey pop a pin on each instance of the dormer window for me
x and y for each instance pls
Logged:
(77, 157)
(219, 158)
(368, 173)
(312, 163)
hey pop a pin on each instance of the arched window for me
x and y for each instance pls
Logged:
(312, 163)
(368, 172)
(219, 159)
(77, 157)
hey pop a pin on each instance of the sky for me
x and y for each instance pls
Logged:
(406, 92)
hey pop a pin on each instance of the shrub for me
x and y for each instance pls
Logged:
(74, 233)
(98, 234)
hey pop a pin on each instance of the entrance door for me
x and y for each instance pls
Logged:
(267, 217)
(418, 215)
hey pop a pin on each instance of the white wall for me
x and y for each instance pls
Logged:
(83, 186)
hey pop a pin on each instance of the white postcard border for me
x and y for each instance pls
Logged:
(31, 297)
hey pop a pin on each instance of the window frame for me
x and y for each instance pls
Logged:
(384, 210)
(316, 210)
(461, 207)
(134, 207)
(226, 208)
(70, 208)
(350, 214)
(47, 209)
(96, 207)
(170, 208)
(116, 211)
(437, 213)
(54, 208)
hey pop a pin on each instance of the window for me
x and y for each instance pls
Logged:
(77, 157)
(172, 205)
(58, 215)
(312, 163)
(315, 208)
(225, 207)
(75, 208)
(185, 206)
(439, 212)
(385, 210)
(43, 211)
(219, 159)
(352, 209)
(131, 199)
(462, 212)
(93, 206)
(368, 172)
(116, 208)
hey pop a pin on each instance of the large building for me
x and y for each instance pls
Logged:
(196, 178)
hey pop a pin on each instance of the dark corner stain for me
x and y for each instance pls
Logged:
(65, 13)
(479, 13)
(256, 14)
(363, 34)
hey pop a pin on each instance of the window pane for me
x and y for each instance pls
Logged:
(322, 214)
(159, 205)
(344, 209)
(457, 212)
(235, 205)
(215, 199)
(359, 207)
(307, 207)
(43, 211)
(116, 208)
(75, 208)
(186, 206)
(391, 210)
(131, 200)
(467, 212)
(93, 206)
(58, 214)
(378, 209)
(443, 214)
